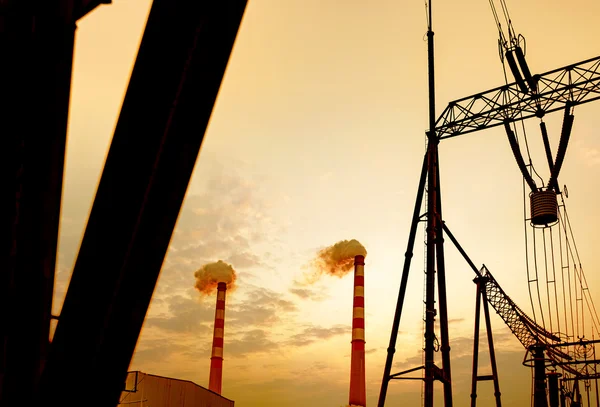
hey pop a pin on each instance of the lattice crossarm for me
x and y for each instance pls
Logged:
(507, 310)
(578, 83)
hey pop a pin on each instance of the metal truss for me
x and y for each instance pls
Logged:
(526, 330)
(578, 83)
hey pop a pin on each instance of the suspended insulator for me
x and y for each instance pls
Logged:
(515, 71)
(549, 155)
(525, 69)
(512, 139)
(544, 208)
(547, 145)
(562, 144)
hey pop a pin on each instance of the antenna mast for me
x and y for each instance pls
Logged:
(434, 263)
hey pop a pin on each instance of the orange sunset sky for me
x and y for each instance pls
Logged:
(318, 136)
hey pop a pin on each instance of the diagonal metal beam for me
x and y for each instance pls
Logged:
(577, 83)
(37, 40)
(174, 84)
(83, 7)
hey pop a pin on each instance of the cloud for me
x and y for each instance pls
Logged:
(157, 350)
(455, 320)
(591, 156)
(247, 327)
(410, 362)
(278, 391)
(308, 294)
(244, 260)
(311, 334)
(262, 307)
(224, 221)
(186, 316)
(253, 341)
(587, 151)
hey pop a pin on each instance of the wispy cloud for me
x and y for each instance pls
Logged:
(185, 315)
(313, 294)
(225, 221)
(587, 150)
(244, 259)
(591, 156)
(455, 320)
(261, 307)
(312, 334)
(253, 341)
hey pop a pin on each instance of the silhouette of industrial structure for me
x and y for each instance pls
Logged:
(561, 357)
(178, 71)
(179, 67)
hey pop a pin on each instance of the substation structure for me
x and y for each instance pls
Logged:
(159, 132)
(529, 96)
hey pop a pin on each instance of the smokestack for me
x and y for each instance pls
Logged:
(216, 360)
(358, 396)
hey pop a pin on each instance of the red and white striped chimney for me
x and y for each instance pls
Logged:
(358, 394)
(216, 359)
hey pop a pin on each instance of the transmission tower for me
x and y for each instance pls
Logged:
(527, 97)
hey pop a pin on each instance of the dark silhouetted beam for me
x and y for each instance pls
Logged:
(36, 39)
(83, 7)
(578, 83)
(174, 84)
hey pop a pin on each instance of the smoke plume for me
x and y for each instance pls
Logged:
(336, 260)
(211, 274)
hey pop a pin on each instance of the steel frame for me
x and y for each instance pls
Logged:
(435, 264)
(577, 83)
(555, 90)
(481, 297)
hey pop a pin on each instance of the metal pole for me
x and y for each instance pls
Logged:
(430, 277)
(553, 389)
(576, 398)
(488, 326)
(596, 377)
(596, 388)
(432, 191)
(475, 346)
(539, 392)
(441, 274)
(403, 283)
(587, 392)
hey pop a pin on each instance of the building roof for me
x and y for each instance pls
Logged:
(179, 380)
